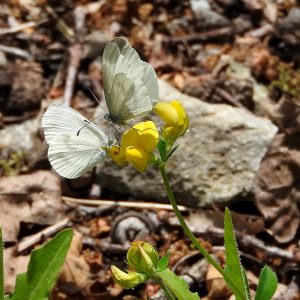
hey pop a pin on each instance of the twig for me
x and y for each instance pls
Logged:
(202, 36)
(261, 31)
(226, 96)
(244, 240)
(21, 27)
(36, 238)
(16, 51)
(75, 55)
(136, 204)
(67, 31)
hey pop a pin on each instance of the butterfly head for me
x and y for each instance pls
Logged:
(113, 120)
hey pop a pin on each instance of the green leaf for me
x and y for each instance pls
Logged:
(162, 149)
(1, 267)
(267, 284)
(43, 268)
(162, 264)
(233, 267)
(177, 285)
(172, 151)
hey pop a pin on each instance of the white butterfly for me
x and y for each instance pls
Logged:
(130, 84)
(71, 154)
(130, 88)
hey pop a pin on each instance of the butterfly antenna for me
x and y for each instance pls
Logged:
(88, 122)
(94, 96)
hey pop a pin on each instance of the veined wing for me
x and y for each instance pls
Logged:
(71, 155)
(61, 119)
(120, 58)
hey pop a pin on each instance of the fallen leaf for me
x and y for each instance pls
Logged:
(276, 189)
(215, 284)
(13, 265)
(34, 198)
(75, 274)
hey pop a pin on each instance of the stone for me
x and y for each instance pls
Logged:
(208, 19)
(216, 161)
(25, 137)
(288, 28)
(20, 136)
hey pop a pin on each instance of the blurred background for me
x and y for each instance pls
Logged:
(234, 64)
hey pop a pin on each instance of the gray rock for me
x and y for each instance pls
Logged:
(208, 19)
(216, 161)
(288, 28)
(24, 137)
(20, 136)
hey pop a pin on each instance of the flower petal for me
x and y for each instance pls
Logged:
(183, 121)
(116, 156)
(171, 132)
(148, 136)
(130, 138)
(127, 280)
(167, 113)
(138, 157)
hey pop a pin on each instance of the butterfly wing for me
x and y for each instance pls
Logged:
(59, 119)
(124, 71)
(71, 154)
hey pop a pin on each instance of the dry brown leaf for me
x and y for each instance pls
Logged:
(208, 219)
(13, 265)
(286, 115)
(75, 273)
(216, 286)
(276, 189)
(34, 198)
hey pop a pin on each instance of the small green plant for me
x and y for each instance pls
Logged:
(288, 81)
(12, 162)
(43, 269)
(144, 263)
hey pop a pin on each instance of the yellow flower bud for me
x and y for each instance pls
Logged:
(175, 117)
(166, 112)
(127, 280)
(143, 257)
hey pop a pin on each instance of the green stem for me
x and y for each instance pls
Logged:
(1, 268)
(190, 235)
(166, 290)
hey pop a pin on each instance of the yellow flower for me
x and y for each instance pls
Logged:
(143, 257)
(175, 117)
(114, 153)
(127, 280)
(136, 147)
